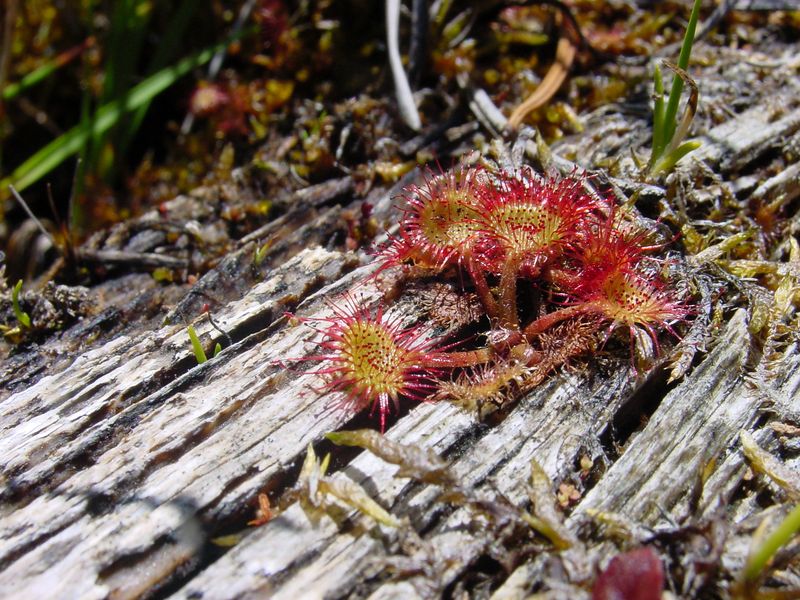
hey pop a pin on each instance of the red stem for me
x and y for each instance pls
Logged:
(545, 322)
(508, 293)
(482, 287)
(469, 358)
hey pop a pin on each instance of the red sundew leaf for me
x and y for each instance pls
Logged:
(373, 360)
(437, 225)
(634, 575)
(636, 298)
(606, 246)
(611, 274)
(530, 218)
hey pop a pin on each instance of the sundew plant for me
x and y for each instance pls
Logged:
(549, 269)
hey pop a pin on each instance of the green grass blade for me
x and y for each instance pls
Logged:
(38, 75)
(57, 151)
(688, 38)
(665, 163)
(683, 62)
(781, 536)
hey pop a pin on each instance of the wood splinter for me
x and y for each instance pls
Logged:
(555, 76)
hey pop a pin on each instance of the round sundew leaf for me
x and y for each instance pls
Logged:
(632, 298)
(373, 361)
(530, 219)
(439, 220)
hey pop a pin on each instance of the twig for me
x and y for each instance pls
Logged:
(483, 108)
(315, 195)
(219, 329)
(405, 99)
(266, 229)
(756, 5)
(569, 42)
(555, 76)
(715, 18)
(39, 116)
(30, 214)
(122, 258)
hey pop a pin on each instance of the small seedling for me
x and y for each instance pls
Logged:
(22, 316)
(668, 133)
(260, 254)
(197, 347)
